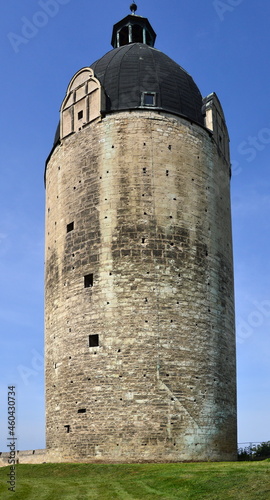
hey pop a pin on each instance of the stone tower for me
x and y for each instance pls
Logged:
(140, 342)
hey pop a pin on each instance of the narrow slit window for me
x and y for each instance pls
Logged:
(67, 427)
(93, 340)
(88, 280)
(80, 115)
(82, 410)
(70, 227)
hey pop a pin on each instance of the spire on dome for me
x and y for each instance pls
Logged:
(133, 29)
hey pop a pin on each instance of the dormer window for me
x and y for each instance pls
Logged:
(82, 104)
(148, 99)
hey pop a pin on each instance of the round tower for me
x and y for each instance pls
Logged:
(140, 342)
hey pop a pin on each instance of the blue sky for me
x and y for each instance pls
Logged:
(224, 45)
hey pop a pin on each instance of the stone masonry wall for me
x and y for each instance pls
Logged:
(139, 203)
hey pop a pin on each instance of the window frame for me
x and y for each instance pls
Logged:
(152, 94)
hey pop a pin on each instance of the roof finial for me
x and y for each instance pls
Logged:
(133, 8)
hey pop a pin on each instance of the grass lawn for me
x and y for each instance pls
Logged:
(214, 481)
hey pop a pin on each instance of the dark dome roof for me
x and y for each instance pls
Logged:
(128, 71)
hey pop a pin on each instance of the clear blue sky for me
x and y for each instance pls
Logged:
(224, 45)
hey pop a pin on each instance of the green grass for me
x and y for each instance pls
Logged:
(213, 481)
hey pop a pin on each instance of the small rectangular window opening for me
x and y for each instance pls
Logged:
(80, 115)
(149, 99)
(67, 427)
(82, 410)
(88, 280)
(93, 340)
(70, 227)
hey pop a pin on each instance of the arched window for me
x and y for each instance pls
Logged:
(123, 36)
(137, 33)
(149, 39)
